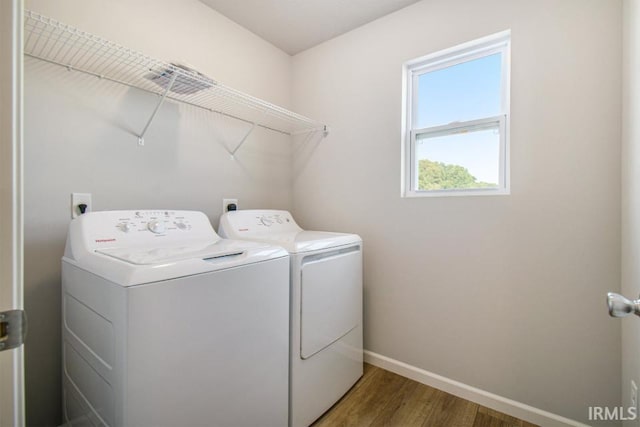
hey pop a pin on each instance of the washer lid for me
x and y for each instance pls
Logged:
(160, 255)
(136, 266)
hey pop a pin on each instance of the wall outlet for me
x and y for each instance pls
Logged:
(227, 202)
(78, 199)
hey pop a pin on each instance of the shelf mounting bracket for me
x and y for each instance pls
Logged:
(158, 105)
(324, 129)
(244, 138)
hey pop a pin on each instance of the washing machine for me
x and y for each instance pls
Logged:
(326, 356)
(166, 324)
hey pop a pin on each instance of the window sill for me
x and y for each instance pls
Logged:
(457, 193)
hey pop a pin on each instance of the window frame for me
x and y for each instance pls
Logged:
(412, 70)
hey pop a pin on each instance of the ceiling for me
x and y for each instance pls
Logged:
(296, 25)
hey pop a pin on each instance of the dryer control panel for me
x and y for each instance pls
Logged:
(259, 221)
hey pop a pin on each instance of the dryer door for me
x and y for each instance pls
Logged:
(331, 298)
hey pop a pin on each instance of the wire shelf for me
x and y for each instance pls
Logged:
(49, 40)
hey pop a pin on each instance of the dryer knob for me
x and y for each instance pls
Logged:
(266, 221)
(156, 226)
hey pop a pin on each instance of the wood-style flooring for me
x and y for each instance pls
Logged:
(382, 398)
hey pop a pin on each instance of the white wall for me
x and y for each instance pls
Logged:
(79, 138)
(504, 293)
(630, 193)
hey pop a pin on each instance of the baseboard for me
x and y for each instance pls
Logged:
(481, 397)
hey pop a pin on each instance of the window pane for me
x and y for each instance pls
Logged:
(458, 161)
(462, 92)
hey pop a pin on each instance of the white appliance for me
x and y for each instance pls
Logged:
(166, 324)
(326, 306)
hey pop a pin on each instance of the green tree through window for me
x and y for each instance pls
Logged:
(440, 176)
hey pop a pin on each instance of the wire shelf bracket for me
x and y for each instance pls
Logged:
(242, 141)
(155, 111)
(54, 42)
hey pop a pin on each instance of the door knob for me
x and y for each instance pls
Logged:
(620, 306)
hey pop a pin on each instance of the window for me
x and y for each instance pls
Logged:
(456, 120)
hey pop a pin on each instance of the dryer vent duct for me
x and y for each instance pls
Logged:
(187, 82)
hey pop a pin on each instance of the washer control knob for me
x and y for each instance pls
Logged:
(125, 227)
(156, 226)
(266, 221)
(181, 226)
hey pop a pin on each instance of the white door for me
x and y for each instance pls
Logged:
(630, 195)
(11, 358)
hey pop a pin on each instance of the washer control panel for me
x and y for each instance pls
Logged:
(140, 227)
(259, 222)
(157, 222)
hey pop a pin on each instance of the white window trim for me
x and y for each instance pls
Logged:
(496, 43)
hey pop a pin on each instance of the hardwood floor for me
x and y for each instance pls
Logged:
(382, 398)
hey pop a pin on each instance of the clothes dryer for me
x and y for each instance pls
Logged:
(326, 356)
(166, 324)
